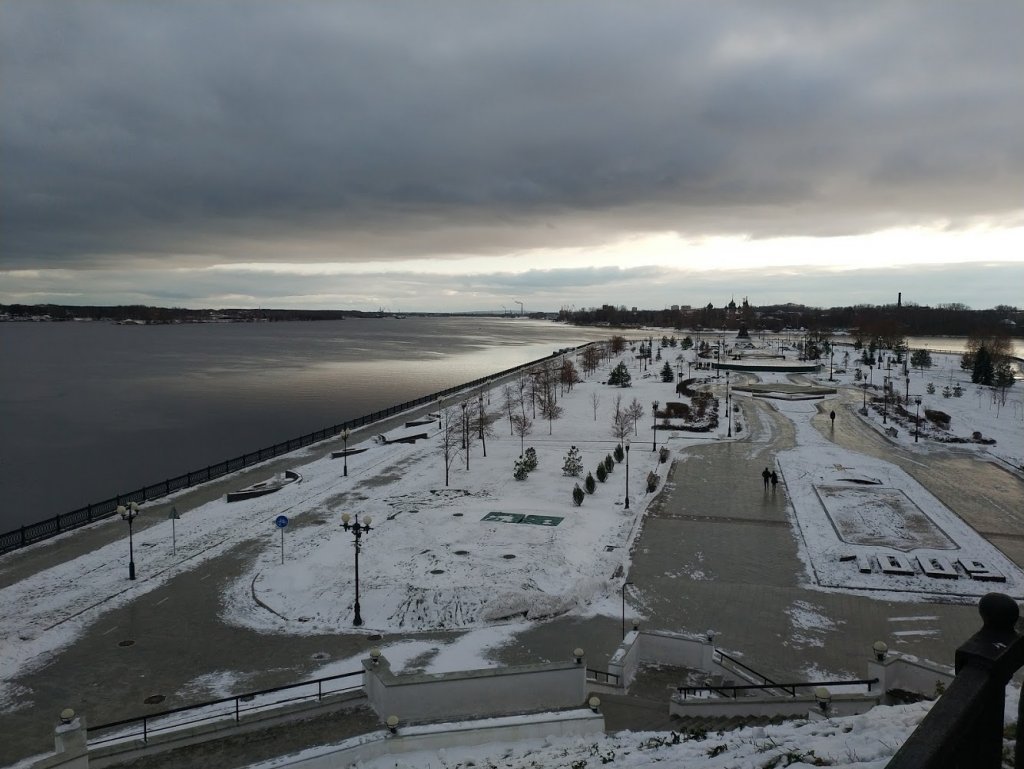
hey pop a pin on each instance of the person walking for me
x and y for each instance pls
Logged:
(775, 480)
(766, 475)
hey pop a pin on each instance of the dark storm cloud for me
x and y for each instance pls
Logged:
(232, 130)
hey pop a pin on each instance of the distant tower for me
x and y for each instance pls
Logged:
(899, 299)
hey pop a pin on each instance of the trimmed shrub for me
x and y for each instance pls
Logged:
(602, 474)
(652, 482)
(589, 483)
(609, 463)
(573, 465)
(531, 459)
(940, 418)
(663, 453)
(619, 453)
(577, 495)
(519, 470)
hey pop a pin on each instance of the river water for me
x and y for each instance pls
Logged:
(90, 410)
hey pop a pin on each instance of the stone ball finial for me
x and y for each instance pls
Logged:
(998, 612)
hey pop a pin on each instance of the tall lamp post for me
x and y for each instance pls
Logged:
(465, 433)
(885, 398)
(908, 390)
(128, 513)
(480, 420)
(917, 417)
(831, 357)
(345, 435)
(728, 403)
(624, 586)
(654, 427)
(627, 474)
(357, 529)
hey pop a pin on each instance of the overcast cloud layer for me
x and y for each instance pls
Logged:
(164, 135)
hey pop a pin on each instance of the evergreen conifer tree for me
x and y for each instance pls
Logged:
(573, 465)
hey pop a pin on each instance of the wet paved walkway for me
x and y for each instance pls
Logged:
(716, 552)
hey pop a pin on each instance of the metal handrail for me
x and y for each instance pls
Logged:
(789, 688)
(146, 721)
(747, 668)
(609, 678)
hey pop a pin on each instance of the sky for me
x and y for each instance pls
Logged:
(469, 156)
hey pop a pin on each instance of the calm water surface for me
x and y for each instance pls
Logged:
(89, 410)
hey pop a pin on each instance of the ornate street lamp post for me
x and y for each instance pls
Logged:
(627, 475)
(654, 427)
(357, 529)
(128, 513)
(345, 434)
(917, 417)
(728, 403)
(885, 398)
(465, 432)
(624, 586)
(480, 419)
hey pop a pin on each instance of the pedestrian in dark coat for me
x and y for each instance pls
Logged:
(766, 475)
(775, 480)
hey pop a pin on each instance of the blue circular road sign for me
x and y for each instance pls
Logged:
(281, 521)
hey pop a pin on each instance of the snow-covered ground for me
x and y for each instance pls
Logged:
(858, 742)
(437, 556)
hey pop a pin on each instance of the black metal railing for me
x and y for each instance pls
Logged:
(964, 728)
(51, 527)
(746, 668)
(228, 708)
(602, 677)
(728, 690)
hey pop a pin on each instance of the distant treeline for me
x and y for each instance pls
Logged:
(145, 314)
(875, 320)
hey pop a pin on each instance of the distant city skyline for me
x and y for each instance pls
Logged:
(465, 156)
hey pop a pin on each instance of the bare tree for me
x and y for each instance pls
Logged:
(636, 412)
(621, 419)
(595, 401)
(568, 375)
(451, 439)
(523, 426)
(591, 357)
(549, 409)
(622, 423)
(483, 424)
(512, 395)
(467, 435)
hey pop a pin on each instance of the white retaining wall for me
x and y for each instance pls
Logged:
(788, 707)
(662, 648)
(899, 671)
(449, 735)
(491, 691)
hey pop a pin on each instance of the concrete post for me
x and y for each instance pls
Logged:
(69, 742)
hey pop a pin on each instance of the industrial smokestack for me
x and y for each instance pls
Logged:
(899, 299)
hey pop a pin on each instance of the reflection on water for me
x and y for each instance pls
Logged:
(92, 409)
